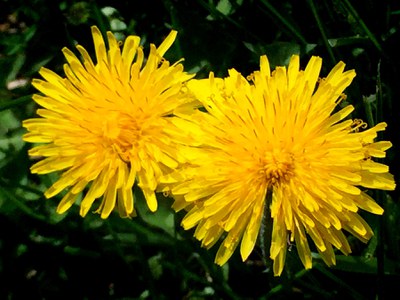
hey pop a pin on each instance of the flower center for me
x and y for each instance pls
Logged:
(278, 166)
(122, 133)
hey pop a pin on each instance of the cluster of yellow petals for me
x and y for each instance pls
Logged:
(278, 142)
(105, 125)
(280, 132)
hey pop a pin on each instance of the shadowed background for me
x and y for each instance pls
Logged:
(44, 255)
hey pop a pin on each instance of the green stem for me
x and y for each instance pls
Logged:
(211, 8)
(321, 30)
(380, 254)
(368, 112)
(287, 24)
(175, 25)
(26, 209)
(379, 95)
(15, 102)
(357, 17)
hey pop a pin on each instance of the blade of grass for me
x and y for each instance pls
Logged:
(4, 182)
(24, 208)
(379, 95)
(354, 294)
(322, 30)
(120, 252)
(353, 12)
(175, 24)
(368, 111)
(380, 251)
(215, 12)
(15, 102)
(196, 278)
(281, 287)
(285, 22)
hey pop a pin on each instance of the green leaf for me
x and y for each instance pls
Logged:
(163, 218)
(224, 7)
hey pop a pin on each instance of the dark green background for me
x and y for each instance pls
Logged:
(48, 256)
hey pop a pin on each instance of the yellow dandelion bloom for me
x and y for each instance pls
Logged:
(107, 124)
(281, 133)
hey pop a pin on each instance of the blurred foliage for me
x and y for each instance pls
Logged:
(48, 256)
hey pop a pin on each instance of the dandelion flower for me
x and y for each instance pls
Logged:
(282, 133)
(107, 124)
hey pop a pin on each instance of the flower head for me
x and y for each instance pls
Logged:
(281, 133)
(107, 124)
